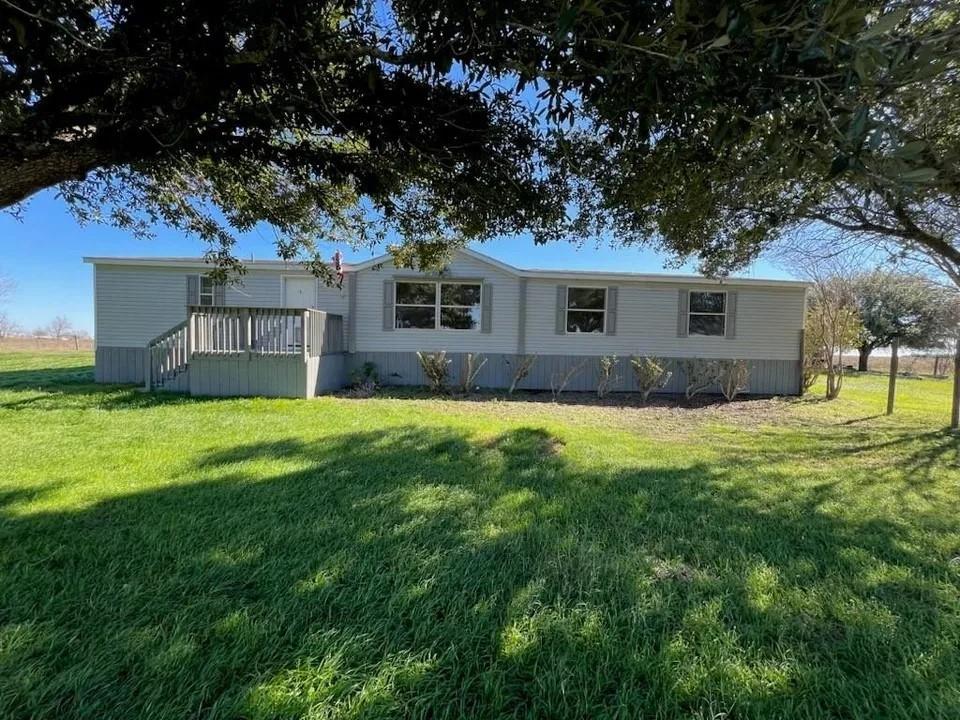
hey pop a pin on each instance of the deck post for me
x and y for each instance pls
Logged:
(305, 314)
(190, 333)
(245, 341)
(147, 368)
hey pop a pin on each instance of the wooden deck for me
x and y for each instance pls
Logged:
(231, 351)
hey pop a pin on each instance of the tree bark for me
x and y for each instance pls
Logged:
(894, 363)
(864, 358)
(21, 177)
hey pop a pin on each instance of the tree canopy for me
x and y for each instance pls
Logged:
(843, 113)
(709, 127)
(905, 307)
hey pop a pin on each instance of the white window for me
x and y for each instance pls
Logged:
(431, 305)
(586, 309)
(206, 290)
(708, 313)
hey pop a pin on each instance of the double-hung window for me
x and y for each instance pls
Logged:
(206, 290)
(437, 305)
(586, 309)
(708, 313)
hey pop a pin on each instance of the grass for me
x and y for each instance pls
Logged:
(168, 557)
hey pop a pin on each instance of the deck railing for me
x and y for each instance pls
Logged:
(264, 331)
(167, 356)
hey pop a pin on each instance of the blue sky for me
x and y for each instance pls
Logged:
(42, 253)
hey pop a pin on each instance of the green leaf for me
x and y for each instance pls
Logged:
(885, 23)
(720, 42)
(840, 164)
(910, 149)
(721, 19)
(920, 175)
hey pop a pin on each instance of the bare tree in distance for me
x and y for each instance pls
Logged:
(60, 327)
(8, 327)
(7, 286)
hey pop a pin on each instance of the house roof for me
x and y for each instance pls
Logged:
(571, 275)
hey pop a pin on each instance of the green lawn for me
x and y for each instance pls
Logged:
(401, 557)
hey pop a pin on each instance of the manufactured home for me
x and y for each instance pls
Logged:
(278, 331)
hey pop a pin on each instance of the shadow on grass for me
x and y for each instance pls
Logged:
(414, 572)
(74, 386)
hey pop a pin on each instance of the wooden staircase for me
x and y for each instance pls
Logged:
(168, 359)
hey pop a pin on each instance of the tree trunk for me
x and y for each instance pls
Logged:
(894, 362)
(864, 358)
(21, 177)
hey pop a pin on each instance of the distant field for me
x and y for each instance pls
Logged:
(916, 364)
(17, 344)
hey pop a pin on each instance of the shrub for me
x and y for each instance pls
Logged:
(608, 366)
(700, 374)
(364, 380)
(471, 368)
(522, 368)
(435, 367)
(560, 380)
(366, 374)
(651, 374)
(732, 376)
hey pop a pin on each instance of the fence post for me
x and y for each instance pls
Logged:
(894, 362)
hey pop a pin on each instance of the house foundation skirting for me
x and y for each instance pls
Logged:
(767, 377)
(292, 377)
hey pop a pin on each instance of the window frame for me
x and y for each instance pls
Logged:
(723, 315)
(212, 294)
(567, 309)
(437, 305)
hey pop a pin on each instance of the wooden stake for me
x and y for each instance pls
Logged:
(955, 413)
(894, 362)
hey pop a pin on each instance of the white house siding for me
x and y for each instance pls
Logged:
(502, 338)
(768, 323)
(134, 304)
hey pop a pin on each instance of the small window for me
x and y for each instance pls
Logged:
(437, 305)
(206, 290)
(586, 310)
(707, 313)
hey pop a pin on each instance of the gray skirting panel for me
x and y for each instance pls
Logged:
(119, 364)
(767, 377)
(240, 375)
(290, 376)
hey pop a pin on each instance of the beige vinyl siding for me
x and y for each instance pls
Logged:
(264, 288)
(767, 326)
(371, 337)
(134, 304)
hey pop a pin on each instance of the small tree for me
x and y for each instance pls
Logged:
(911, 308)
(608, 368)
(832, 326)
(732, 376)
(59, 327)
(472, 364)
(700, 374)
(435, 367)
(521, 368)
(651, 374)
(560, 380)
